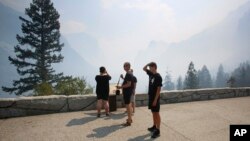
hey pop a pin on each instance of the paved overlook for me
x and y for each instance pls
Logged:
(190, 121)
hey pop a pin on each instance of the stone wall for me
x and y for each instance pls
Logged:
(24, 106)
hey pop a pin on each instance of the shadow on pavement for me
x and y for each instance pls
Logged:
(116, 116)
(83, 120)
(142, 138)
(104, 131)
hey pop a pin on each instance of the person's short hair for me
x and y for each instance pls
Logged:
(102, 69)
(126, 64)
(153, 64)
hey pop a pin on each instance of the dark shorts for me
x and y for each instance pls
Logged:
(103, 96)
(154, 108)
(127, 98)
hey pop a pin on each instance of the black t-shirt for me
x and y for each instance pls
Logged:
(102, 85)
(155, 81)
(128, 77)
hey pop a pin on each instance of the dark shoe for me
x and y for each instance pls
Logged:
(127, 124)
(151, 129)
(98, 115)
(129, 121)
(156, 134)
(107, 114)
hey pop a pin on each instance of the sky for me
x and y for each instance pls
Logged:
(120, 29)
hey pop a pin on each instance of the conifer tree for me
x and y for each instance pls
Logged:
(168, 84)
(221, 78)
(191, 80)
(38, 48)
(205, 80)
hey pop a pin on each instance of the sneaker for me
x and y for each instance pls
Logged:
(151, 129)
(98, 115)
(156, 133)
(127, 124)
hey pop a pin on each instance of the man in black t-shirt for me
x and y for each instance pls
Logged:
(133, 83)
(154, 88)
(102, 91)
(127, 91)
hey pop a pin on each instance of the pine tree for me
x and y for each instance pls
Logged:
(221, 78)
(205, 80)
(179, 83)
(191, 80)
(242, 75)
(39, 47)
(168, 84)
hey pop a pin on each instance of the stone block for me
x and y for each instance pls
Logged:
(8, 102)
(185, 99)
(145, 103)
(172, 100)
(12, 112)
(48, 103)
(196, 96)
(162, 101)
(141, 97)
(139, 103)
(170, 95)
(81, 102)
(204, 97)
(205, 91)
(214, 96)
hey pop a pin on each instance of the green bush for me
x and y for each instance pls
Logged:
(73, 86)
(43, 89)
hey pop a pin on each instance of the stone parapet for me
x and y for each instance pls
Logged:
(25, 106)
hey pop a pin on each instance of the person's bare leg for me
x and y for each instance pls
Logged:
(106, 105)
(133, 107)
(156, 132)
(158, 120)
(154, 118)
(128, 106)
(99, 106)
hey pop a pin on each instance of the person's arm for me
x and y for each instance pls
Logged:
(109, 77)
(128, 78)
(157, 96)
(145, 68)
(158, 81)
(121, 76)
(128, 84)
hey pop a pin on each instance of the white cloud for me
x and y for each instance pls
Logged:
(71, 27)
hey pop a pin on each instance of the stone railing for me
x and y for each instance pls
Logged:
(24, 106)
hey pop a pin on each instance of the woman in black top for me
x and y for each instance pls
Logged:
(102, 91)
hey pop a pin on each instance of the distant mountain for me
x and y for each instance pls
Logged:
(227, 42)
(86, 46)
(10, 25)
(74, 64)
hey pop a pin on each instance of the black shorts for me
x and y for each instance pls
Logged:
(154, 108)
(103, 97)
(127, 98)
